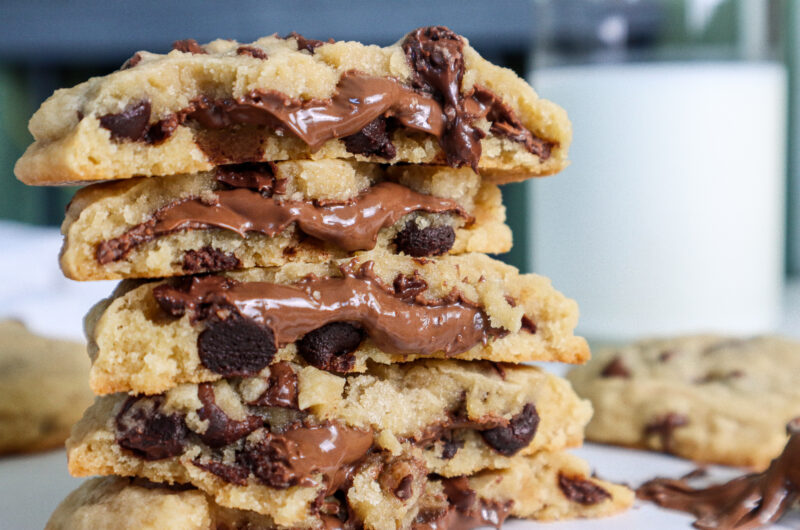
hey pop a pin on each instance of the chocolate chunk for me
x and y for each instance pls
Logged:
(306, 44)
(188, 46)
(666, 355)
(222, 430)
(436, 58)
(117, 248)
(409, 287)
(528, 324)
(664, 427)
(269, 462)
(616, 368)
(428, 241)
(233, 473)
(236, 346)
(450, 445)
(135, 59)
(404, 489)
(161, 130)
(209, 259)
(582, 491)
(459, 493)
(331, 346)
(372, 140)
(397, 477)
(520, 431)
(282, 387)
(149, 433)
(130, 124)
(511, 301)
(258, 177)
(252, 51)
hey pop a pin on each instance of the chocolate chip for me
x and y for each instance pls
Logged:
(616, 368)
(404, 489)
(397, 477)
(330, 347)
(372, 140)
(409, 287)
(209, 259)
(518, 434)
(236, 346)
(303, 43)
(281, 388)
(428, 241)
(666, 355)
(149, 433)
(222, 430)
(232, 473)
(130, 124)
(459, 493)
(582, 491)
(135, 59)
(528, 324)
(268, 461)
(510, 300)
(252, 51)
(664, 427)
(188, 46)
(450, 445)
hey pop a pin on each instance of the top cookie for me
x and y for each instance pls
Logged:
(429, 98)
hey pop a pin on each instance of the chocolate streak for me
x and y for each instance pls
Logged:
(291, 311)
(749, 501)
(351, 226)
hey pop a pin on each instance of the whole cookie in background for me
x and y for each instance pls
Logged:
(708, 398)
(43, 389)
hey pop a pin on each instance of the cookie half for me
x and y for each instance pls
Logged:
(30, 419)
(709, 398)
(430, 98)
(250, 445)
(545, 487)
(336, 316)
(268, 214)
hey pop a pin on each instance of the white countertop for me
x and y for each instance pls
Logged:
(32, 486)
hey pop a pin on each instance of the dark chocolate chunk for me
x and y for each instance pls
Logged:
(306, 44)
(450, 445)
(232, 473)
(269, 462)
(459, 493)
(616, 368)
(372, 140)
(236, 346)
(404, 489)
(520, 431)
(135, 59)
(149, 433)
(282, 387)
(117, 248)
(664, 427)
(528, 324)
(252, 51)
(510, 300)
(161, 130)
(331, 346)
(209, 259)
(409, 287)
(188, 46)
(582, 491)
(257, 176)
(130, 124)
(222, 430)
(428, 241)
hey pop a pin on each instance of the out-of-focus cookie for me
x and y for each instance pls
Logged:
(43, 388)
(708, 398)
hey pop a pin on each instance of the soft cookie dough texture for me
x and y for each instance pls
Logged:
(708, 398)
(33, 419)
(105, 211)
(156, 352)
(72, 146)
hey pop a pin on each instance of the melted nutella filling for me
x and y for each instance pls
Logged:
(749, 501)
(291, 311)
(434, 104)
(351, 226)
(465, 511)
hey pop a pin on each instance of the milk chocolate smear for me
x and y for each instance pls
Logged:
(351, 226)
(750, 501)
(359, 297)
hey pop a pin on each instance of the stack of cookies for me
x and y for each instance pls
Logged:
(308, 333)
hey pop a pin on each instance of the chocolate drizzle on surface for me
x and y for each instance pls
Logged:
(361, 106)
(359, 296)
(353, 225)
(750, 501)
